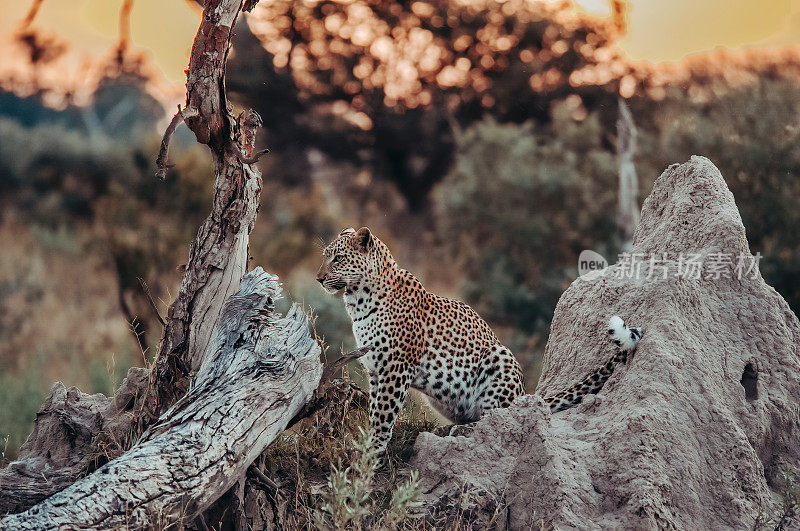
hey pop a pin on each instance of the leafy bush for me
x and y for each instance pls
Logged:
(519, 205)
(348, 501)
(752, 134)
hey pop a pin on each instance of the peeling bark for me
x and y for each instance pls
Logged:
(258, 372)
(219, 255)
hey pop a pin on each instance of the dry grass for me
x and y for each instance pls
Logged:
(323, 458)
(59, 321)
(59, 307)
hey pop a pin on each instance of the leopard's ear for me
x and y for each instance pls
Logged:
(363, 240)
(348, 230)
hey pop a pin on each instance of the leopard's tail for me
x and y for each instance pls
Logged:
(626, 339)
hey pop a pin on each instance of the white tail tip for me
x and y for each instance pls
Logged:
(626, 338)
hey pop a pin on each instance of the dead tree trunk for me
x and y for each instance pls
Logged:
(75, 432)
(259, 370)
(219, 254)
(628, 213)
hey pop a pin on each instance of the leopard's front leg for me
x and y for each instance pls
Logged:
(387, 392)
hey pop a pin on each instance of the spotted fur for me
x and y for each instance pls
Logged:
(436, 345)
(626, 339)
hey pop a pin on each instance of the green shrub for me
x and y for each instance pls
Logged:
(349, 501)
(752, 134)
(519, 205)
(20, 399)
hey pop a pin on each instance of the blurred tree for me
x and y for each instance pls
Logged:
(380, 83)
(121, 106)
(31, 110)
(517, 234)
(54, 177)
(752, 133)
(393, 76)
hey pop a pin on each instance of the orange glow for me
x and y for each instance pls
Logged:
(404, 58)
(161, 31)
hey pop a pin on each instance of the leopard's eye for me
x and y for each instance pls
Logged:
(336, 259)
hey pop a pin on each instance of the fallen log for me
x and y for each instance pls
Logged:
(259, 370)
(74, 433)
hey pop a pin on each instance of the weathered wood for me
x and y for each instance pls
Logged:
(63, 448)
(218, 258)
(258, 372)
(74, 433)
(219, 255)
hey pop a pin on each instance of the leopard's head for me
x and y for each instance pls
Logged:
(354, 257)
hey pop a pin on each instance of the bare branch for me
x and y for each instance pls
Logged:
(259, 477)
(332, 368)
(162, 166)
(251, 159)
(149, 295)
(318, 401)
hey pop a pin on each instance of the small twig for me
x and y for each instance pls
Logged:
(146, 290)
(31, 15)
(200, 521)
(260, 480)
(251, 159)
(263, 479)
(162, 165)
(134, 323)
(315, 404)
(333, 368)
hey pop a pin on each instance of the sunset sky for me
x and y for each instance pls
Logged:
(659, 30)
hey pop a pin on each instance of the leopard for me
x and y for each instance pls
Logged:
(441, 347)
